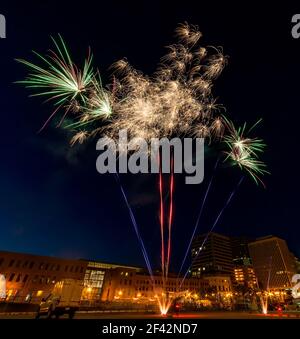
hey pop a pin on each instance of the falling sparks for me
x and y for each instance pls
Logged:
(80, 137)
(188, 34)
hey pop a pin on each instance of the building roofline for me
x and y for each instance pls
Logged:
(70, 259)
(113, 264)
(212, 233)
(266, 237)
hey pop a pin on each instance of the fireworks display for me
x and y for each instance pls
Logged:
(175, 101)
(244, 151)
(59, 79)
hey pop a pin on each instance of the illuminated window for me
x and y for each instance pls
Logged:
(94, 279)
(39, 293)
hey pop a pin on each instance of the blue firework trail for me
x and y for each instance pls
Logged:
(199, 216)
(136, 228)
(214, 225)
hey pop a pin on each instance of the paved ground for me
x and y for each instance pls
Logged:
(200, 315)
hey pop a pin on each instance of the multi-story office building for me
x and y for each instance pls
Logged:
(244, 274)
(212, 254)
(239, 249)
(272, 262)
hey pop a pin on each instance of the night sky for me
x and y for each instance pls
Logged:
(52, 200)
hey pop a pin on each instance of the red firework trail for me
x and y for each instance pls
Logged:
(165, 257)
(161, 218)
(170, 213)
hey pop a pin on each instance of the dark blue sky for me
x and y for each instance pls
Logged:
(53, 202)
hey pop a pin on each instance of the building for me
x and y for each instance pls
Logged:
(212, 254)
(272, 262)
(220, 289)
(219, 283)
(32, 277)
(29, 278)
(96, 274)
(136, 285)
(244, 275)
(297, 264)
(240, 250)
